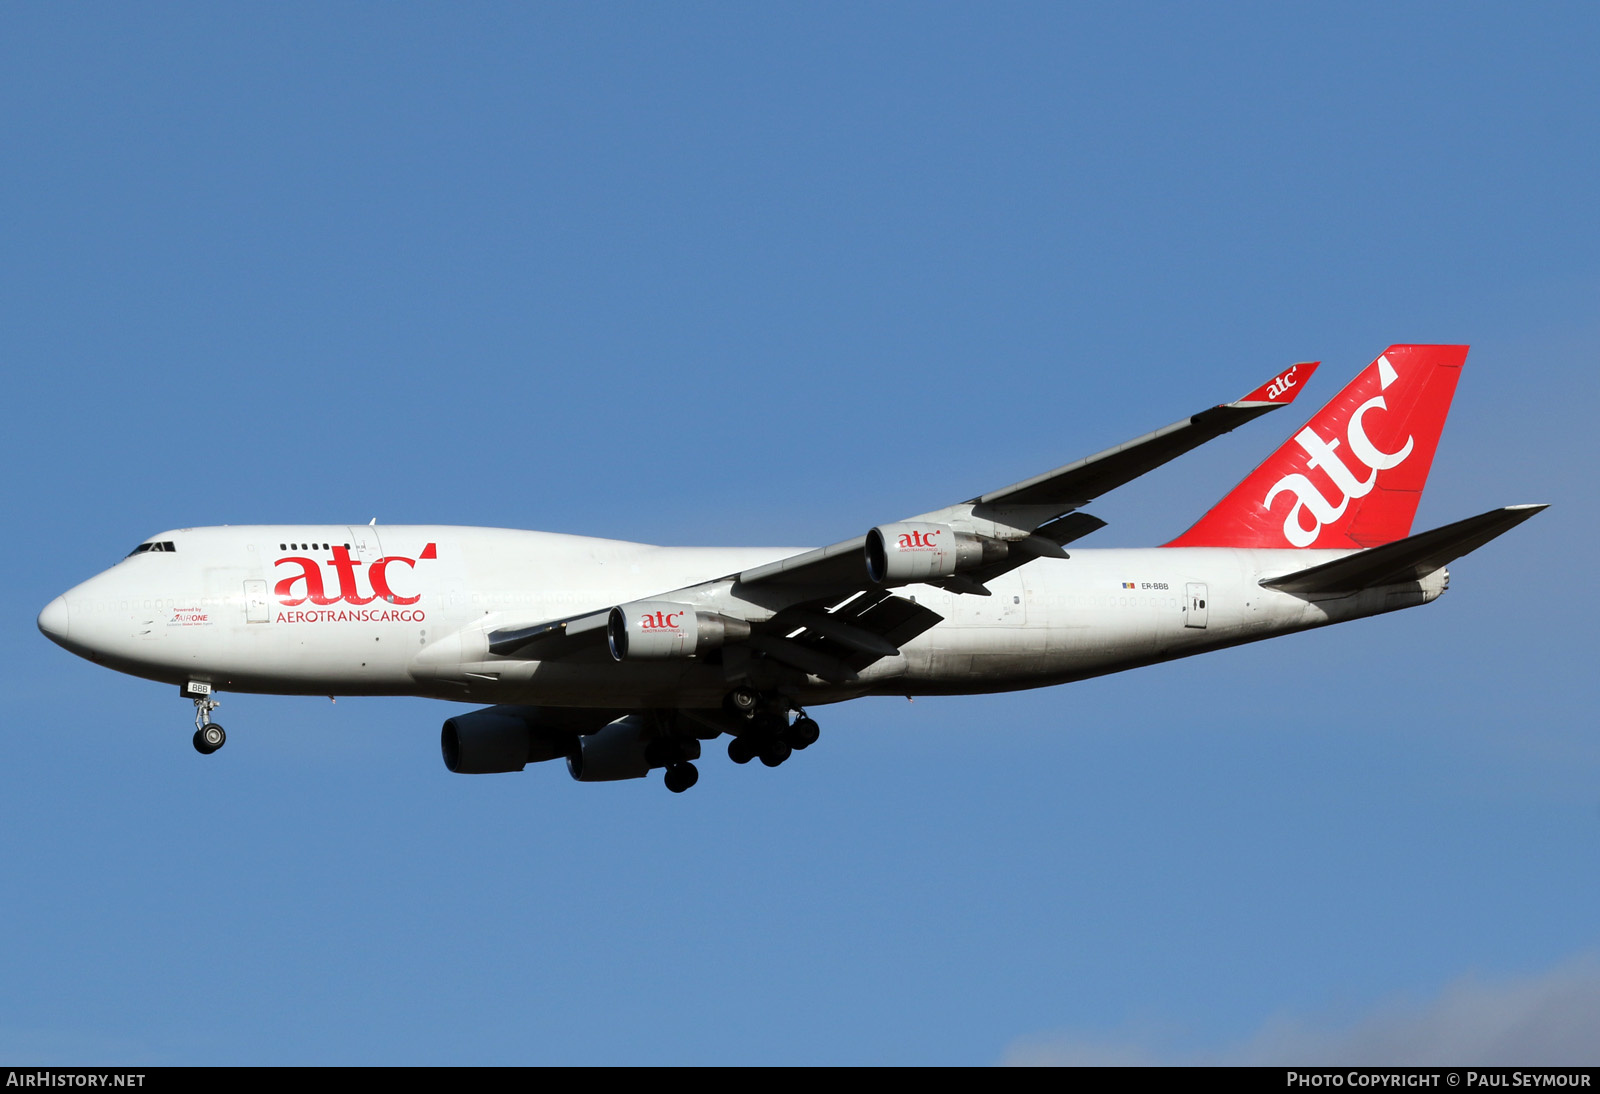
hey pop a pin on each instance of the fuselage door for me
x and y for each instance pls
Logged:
(364, 550)
(1195, 610)
(256, 607)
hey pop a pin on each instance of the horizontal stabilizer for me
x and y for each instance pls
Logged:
(1409, 559)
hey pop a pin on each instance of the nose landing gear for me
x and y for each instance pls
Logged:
(208, 735)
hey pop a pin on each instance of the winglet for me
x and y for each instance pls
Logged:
(1282, 388)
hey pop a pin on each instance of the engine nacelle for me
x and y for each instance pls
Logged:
(498, 739)
(628, 748)
(615, 752)
(899, 554)
(655, 630)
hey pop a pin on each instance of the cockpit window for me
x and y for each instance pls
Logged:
(162, 545)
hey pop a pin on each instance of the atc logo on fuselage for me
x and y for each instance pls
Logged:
(307, 583)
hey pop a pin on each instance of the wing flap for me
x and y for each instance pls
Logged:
(857, 632)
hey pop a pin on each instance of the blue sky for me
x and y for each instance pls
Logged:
(770, 275)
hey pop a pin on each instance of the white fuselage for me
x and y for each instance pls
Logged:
(406, 610)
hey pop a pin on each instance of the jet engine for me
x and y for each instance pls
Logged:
(502, 738)
(627, 749)
(654, 630)
(899, 554)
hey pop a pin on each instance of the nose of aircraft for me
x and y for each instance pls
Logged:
(54, 621)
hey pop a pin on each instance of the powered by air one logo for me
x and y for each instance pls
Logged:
(308, 584)
(1323, 454)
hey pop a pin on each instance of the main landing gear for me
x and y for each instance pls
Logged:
(682, 776)
(677, 755)
(208, 735)
(771, 737)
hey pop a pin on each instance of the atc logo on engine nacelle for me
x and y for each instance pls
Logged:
(917, 540)
(660, 621)
(307, 585)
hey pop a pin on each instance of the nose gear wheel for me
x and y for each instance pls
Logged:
(208, 735)
(208, 738)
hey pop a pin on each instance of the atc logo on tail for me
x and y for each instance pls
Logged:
(1353, 476)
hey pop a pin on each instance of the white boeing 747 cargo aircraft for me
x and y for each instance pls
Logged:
(623, 657)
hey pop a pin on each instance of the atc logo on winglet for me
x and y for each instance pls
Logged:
(1282, 388)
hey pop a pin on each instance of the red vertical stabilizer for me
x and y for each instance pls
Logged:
(1353, 476)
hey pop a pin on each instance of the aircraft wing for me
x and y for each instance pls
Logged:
(831, 617)
(1032, 515)
(1079, 483)
(831, 637)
